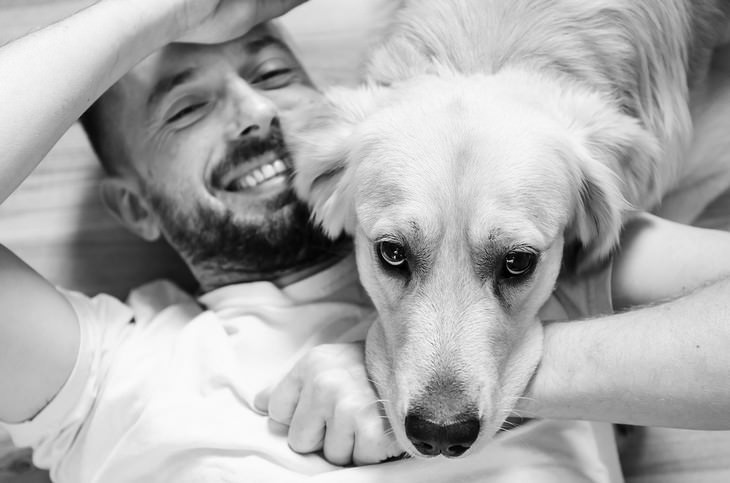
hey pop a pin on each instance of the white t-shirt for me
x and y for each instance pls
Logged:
(163, 391)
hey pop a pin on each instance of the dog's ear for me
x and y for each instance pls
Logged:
(616, 164)
(326, 156)
(600, 208)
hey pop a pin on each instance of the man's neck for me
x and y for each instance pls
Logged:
(211, 278)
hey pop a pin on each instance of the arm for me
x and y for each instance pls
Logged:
(665, 365)
(48, 79)
(39, 339)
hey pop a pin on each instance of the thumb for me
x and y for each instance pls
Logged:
(261, 400)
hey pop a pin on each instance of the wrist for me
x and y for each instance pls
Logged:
(553, 389)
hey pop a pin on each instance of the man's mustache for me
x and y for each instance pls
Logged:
(244, 150)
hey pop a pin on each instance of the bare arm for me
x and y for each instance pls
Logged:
(39, 339)
(664, 365)
(47, 80)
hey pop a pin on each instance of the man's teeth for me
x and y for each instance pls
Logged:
(268, 171)
(259, 175)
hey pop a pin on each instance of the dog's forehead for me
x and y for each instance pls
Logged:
(457, 160)
(432, 128)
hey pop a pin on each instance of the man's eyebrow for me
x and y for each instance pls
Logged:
(255, 46)
(167, 84)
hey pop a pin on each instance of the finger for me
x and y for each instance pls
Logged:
(284, 397)
(268, 9)
(374, 439)
(308, 423)
(374, 445)
(261, 400)
(339, 440)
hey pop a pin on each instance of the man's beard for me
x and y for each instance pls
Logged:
(214, 241)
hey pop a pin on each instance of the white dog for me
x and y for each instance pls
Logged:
(495, 136)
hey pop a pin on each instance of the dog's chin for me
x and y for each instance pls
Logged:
(512, 383)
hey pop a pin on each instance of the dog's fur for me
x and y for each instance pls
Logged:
(490, 126)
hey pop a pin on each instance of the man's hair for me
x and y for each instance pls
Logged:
(101, 124)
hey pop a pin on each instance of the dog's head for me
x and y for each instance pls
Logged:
(461, 194)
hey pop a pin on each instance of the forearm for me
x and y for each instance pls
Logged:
(666, 365)
(49, 78)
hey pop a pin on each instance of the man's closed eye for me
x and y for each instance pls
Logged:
(274, 75)
(186, 112)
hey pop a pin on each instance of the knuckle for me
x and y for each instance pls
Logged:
(311, 358)
(348, 408)
(372, 433)
(322, 353)
(328, 382)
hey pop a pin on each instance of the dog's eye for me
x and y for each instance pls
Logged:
(518, 264)
(392, 254)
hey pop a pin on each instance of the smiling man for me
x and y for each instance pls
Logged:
(193, 141)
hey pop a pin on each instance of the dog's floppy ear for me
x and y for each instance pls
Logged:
(326, 157)
(600, 208)
(616, 165)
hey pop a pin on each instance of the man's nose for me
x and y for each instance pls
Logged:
(254, 113)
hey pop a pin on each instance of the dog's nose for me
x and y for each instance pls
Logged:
(451, 440)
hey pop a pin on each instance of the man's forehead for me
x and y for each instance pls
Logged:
(179, 57)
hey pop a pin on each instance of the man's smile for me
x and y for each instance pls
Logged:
(258, 172)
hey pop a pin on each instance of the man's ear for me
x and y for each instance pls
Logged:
(326, 156)
(122, 198)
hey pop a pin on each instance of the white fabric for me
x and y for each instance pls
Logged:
(169, 397)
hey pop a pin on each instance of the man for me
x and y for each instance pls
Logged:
(201, 162)
(164, 388)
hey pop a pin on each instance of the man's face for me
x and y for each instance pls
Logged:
(202, 128)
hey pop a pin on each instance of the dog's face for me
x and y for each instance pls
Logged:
(460, 194)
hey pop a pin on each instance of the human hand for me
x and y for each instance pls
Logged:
(329, 404)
